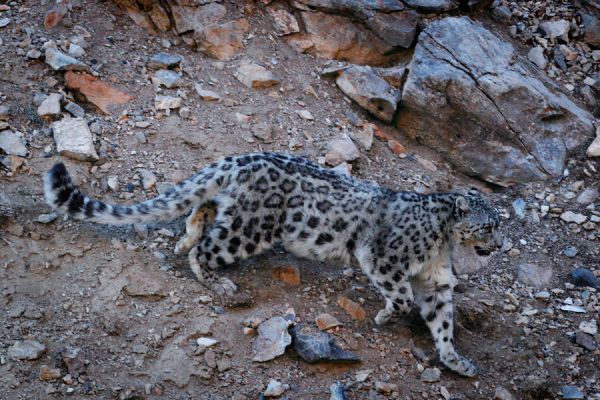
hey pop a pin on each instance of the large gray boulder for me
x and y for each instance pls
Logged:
(472, 98)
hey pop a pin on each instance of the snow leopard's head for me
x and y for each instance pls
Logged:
(476, 223)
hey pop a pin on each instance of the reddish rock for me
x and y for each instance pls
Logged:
(56, 15)
(103, 96)
(354, 309)
(379, 134)
(290, 275)
(396, 147)
(326, 321)
(347, 41)
(222, 41)
(284, 23)
(48, 374)
(159, 17)
(255, 76)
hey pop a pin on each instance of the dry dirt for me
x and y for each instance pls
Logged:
(134, 308)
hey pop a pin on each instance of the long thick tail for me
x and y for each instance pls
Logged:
(62, 195)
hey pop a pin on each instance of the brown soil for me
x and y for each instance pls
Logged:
(104, 290)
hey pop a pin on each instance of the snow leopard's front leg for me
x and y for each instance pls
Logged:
(434, 297)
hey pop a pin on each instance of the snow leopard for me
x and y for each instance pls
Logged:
(246, 204)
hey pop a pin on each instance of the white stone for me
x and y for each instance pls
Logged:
(46, 218)
(50, 107)
(364, 137)
(588, 196)
(4, 22)
(74, 139)
(543, 295)
(275, 388)
(572, 308)
(12, 144)
(589, 327)
(305, 114)
(33, 54)
(26, 350)
(167, 102)
(536, 56)
(431, 375)
(167, 78)
(148, 179)
(207, 95)
(340, 150)
(76, 50)
(594, 149)
(343, 168)
(206, 342)
(570, 216)
(113, 183)
(555, 29)
(62, 62)
(363, 375)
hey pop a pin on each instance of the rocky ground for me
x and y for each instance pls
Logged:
(95, 311)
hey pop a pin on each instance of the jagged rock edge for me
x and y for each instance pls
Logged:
(460, 66)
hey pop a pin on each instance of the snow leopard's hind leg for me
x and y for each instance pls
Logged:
(195, 226)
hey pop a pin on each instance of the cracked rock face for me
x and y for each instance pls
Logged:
(469, 96)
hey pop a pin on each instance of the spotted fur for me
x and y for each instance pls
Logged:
(401, 240)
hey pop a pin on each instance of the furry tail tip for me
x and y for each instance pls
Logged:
(58, 186)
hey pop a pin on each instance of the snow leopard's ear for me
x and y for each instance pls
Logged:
(462, 206)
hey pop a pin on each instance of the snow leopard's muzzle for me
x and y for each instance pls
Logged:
(493, 243)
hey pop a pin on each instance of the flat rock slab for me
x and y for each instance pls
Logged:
(12, 144)
(50, 107)
(273, 338)
(255, 76)
(369, 90)
(174, 365)
(99, 93)
(26, 350)
(73, 139)
(167, 102)
(59, 61)
(164, 61)
(207, 95)
(319, 346)
(472, 98)
(166, 77)
(534, 275)
(433, 6)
